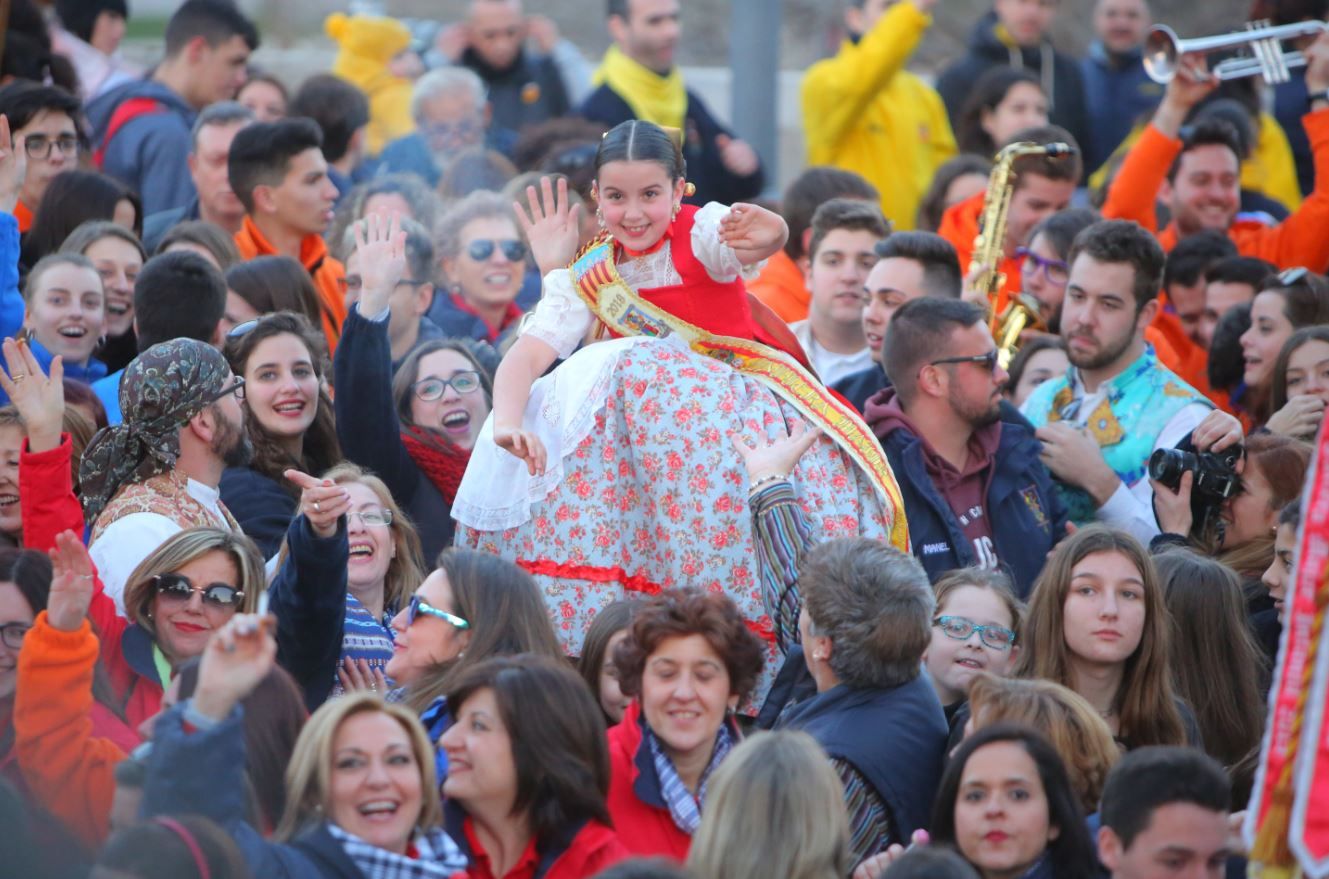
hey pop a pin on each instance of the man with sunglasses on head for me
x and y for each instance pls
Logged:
(1101, 421)
(975, 492)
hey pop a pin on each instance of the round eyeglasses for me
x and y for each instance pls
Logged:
(431, 389)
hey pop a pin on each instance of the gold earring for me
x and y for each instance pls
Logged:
(689, 190)
(678, 206)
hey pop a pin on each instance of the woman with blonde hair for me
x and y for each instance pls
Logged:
(775, 808)
(1097, 624)
(361, 797)
(1066, 720)
(352, 533)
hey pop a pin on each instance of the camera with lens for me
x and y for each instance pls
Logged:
(1215, 475)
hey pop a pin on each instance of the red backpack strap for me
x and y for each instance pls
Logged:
(127, 112)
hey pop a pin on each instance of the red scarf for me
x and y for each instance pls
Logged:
(440, 460)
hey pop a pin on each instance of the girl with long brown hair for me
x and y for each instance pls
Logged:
(1097, 623)
(1216, 661)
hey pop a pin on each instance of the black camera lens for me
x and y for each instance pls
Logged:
(1167, 465)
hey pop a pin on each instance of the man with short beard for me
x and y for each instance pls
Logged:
(974, 490)
(158, 472)
(1101, 421)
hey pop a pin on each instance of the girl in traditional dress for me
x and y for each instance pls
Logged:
(618, 473)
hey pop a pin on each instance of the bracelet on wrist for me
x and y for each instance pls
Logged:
(767, 480)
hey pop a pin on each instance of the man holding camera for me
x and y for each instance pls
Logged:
(1117, 404)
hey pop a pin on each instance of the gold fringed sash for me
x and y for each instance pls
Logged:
(596, 280)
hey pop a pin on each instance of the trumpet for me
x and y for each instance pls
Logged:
(1163, 50)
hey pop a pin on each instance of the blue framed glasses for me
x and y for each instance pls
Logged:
(962, 629)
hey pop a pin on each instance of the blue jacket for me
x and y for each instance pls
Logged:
(895, 738)
(11, 300)
(1026, 516)
(260, 504)
(108, 391)
(1289, 106)
(411, 154)
(706, 171)
(1121, 93)
(308, 598)
(370, 433)
(150, 152)
(203, 773)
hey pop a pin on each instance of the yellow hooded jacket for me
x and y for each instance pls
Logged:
(863, 112)
(365, 45)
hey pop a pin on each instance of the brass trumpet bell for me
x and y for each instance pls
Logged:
(1163, 51)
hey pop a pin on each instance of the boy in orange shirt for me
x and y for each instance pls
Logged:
(278, 172)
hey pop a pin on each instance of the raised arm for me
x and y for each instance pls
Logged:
(367, 424)
(67, 769)
(1133, 194)
(837, 90)
(780, 531)
(308, 595)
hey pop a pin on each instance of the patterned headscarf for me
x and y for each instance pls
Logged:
(161, 389)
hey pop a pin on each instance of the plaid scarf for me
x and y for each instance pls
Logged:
(684, 808)
(436, 856)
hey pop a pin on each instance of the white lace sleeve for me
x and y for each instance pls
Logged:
(560, 318)
(720, 260)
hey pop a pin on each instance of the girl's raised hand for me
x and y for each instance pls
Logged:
(748, 227)
(39, 398)
(551, 226)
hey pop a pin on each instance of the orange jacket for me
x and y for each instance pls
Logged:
(23, 214)
(959, 226)
(66, 750)
(1297, 241)
(782, 288)
(326, 272)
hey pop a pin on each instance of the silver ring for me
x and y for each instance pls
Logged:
(316, 507)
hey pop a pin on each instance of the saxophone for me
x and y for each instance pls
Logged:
(1022, 312)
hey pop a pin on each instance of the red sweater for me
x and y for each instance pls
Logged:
(594, 848)
(640, 814)
(49, 507)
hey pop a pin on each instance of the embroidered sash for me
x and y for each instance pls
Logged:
(596, 280)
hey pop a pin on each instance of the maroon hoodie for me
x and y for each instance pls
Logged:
(964, 490)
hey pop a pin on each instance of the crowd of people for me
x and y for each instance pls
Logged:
(453, 465)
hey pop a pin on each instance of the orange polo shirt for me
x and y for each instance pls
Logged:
(326, 272)
(1300, 240)
(782, 288)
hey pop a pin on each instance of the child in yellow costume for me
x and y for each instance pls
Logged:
(367, 46)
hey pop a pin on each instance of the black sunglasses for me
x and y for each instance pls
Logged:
(483, 248)
(988, 361)
(178, 587)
